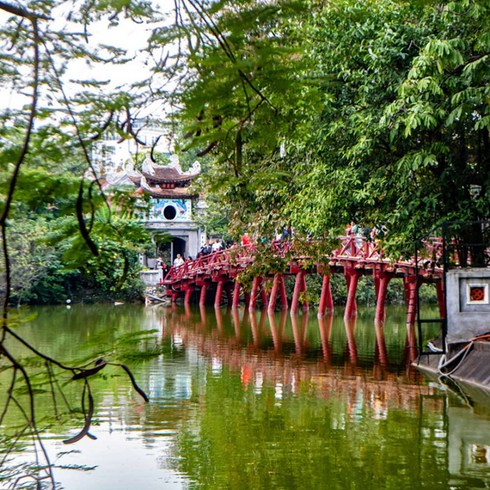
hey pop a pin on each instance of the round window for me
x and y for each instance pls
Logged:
(169, 212)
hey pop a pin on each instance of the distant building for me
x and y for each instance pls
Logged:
(113, 153)
(172, 204)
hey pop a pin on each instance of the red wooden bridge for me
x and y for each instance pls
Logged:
(221, 272)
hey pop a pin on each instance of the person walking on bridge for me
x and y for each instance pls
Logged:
(178, 260)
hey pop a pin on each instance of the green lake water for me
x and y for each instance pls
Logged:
(251, 401)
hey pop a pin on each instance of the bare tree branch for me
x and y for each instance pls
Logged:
(18, 164)
(22, 12)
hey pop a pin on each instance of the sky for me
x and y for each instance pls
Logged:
(127, 35)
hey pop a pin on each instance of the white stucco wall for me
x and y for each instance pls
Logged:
(468, 303)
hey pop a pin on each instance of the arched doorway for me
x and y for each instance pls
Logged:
(167, 250)
(178, 246)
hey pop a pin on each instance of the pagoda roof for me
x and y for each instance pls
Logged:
(157, 191)
(171, 173)
(151, 177)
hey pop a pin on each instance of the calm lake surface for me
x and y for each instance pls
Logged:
(251, 401)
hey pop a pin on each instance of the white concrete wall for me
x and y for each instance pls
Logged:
(151, 278)
(467, 316)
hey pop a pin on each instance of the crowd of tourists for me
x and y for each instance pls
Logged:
(282, 236)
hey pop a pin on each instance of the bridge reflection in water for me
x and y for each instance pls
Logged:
(289, 352)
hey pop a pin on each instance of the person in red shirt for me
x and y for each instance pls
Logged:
(245, 240)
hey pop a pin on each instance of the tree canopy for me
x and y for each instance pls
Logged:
(57, 101)
(402, 138)
(369, 111)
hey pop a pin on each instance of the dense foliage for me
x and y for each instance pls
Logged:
(57, 224)
(402, 136)
(369, 111)
(240, 96)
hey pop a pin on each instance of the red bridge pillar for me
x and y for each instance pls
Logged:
(284, 296)
(202, 295)
(326, 300)
(274, 292)
(410, 284)
(299, 287)
(263, 294)
(352, 277)
(278, 288)
(236, 294)
(219, 293)
(254, 293)
(187, 296)
(381, 280)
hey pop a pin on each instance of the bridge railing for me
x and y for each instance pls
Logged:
(352, 248)
(357, 247)
(238, 256)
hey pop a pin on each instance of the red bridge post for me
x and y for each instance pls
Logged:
(263, 294)
(236, 294)
(254, 293)
(326, 299)
(187, 296)
(274, 292)
(352, 278)
(299, 286)
(202, 296)
(382, 278)
(284, 296)
(410, 284)
(219, 293)
(278, 288)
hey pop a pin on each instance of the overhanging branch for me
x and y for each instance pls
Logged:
(21, 12)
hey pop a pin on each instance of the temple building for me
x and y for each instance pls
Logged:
(173, 206)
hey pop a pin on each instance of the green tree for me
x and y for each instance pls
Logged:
(402, 136)
(46, 137)
(241, 94)
(380, 108)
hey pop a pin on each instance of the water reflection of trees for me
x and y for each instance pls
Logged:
(54, 388)
(289, 400)
(283, 351)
